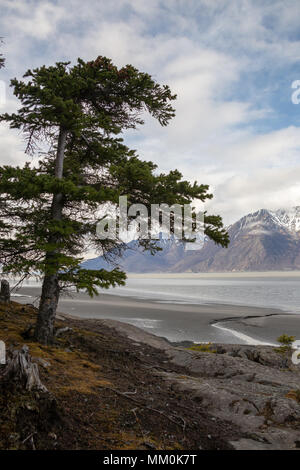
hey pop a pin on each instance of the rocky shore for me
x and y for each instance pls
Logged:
(110, 385)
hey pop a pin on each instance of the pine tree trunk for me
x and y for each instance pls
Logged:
(5, 292)
(47, 309)
(50, 290)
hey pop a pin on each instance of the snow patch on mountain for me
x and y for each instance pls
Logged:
(288, 218)
(267, 221)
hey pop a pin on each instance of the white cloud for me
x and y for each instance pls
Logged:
(203, 50)
(11, 147)
(38, 20)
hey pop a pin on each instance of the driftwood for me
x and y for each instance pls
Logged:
(61, 331)
(2, 353)
(5, 292)
(21, 369)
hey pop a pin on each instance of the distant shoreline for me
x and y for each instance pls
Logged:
(189, 275)
(225, 274)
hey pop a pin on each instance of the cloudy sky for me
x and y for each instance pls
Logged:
(231, 62)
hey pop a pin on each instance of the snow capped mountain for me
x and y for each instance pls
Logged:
(266, 221)
(265, 240)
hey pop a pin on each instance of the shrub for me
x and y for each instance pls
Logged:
(286, 343)
(204, 347)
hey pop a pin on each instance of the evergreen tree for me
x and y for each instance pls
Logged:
(2, 60)
(49, 210)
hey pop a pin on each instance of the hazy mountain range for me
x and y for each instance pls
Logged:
(265, 240)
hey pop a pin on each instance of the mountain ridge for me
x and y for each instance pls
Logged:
(265, 240)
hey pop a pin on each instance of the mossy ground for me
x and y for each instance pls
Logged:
(105, 393)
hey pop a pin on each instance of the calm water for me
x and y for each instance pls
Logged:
(281, 292)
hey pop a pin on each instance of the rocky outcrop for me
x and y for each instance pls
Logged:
(253, 387)
(256, 390)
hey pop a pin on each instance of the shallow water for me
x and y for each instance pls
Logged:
(219, 295)
(282, 292)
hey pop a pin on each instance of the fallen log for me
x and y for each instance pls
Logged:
(61, 331)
